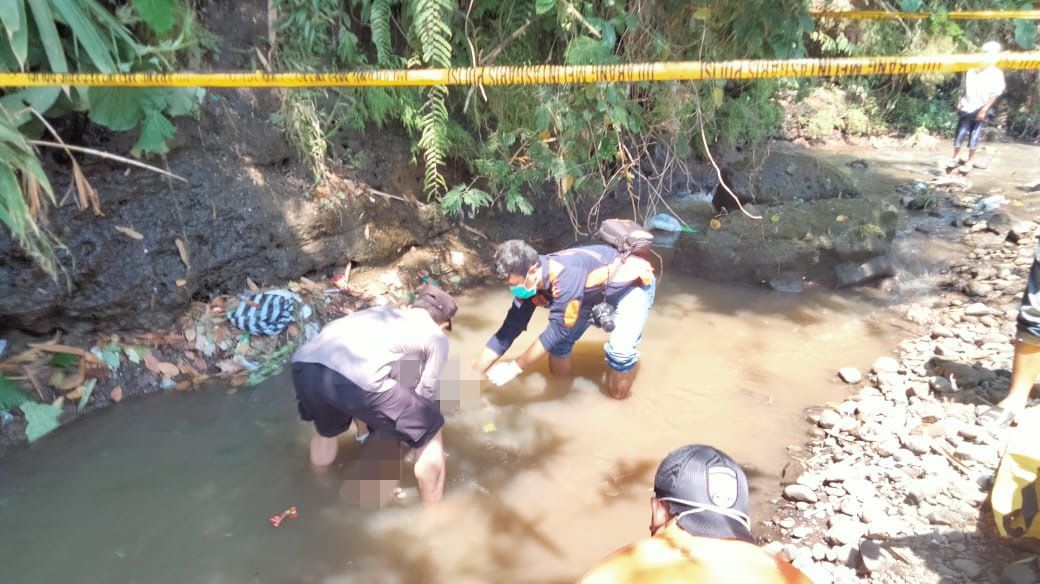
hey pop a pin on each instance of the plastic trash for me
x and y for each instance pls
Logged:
(667, 229)
(664, 222)
(3, 346)
(991, 202)
(290, 513)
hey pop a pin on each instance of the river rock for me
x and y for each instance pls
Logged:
(788, 283)
(1021, 230)
(801, 532)
(916, 443)
(800, 493)
(850, 506)
(1019, 573)
(871, 406)
(828, 419)
(885, 365)
(850, 375)
(981, 453)
(918, 314)
(942, 516)
(872, 511)
(844, 531)
(873, 558)
(941, 331)
(940, 384)
(923, 490)
(856, 274)
(819, 552)
(976, 309)
(787, 523)
(967, 567)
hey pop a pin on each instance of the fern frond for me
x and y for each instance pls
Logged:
(432, 26)
(379, 23)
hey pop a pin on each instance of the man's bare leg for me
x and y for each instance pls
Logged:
(1024, 371)
(323, 450)
(561, 366)
(361, 431)
(429, 469)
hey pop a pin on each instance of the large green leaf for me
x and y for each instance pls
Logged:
(87, 34)
(12, 16)
(182, 101)
(118, 108)
(543, 6)
(49, 35)
(157, 129)
(159, 14)
(41, 418)
(11, 396)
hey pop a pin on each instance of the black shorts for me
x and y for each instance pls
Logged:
(1029, 309)
(331, 401)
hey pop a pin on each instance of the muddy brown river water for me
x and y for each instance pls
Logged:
(178, 487)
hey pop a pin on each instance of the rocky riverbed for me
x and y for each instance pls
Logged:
(894, 483)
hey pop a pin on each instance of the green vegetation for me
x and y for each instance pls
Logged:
(518, 147)
(82, 35)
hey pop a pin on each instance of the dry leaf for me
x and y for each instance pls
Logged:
(229, 366)
(76, 393)
(180, 282)
(239, 380)
(168, 369)
(182, 248)
(714, 224)
(55, 348)
(183, 386)
(129, 232)
(841, 218)
(252, 285)
(151, 363)
(116, 394)
(72, 381)
(189, 333)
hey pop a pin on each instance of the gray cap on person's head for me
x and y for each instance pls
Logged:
(714, 488)
(439, 302)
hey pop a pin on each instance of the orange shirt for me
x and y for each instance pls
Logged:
(672, 555)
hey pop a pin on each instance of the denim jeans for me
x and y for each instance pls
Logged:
(622, 349)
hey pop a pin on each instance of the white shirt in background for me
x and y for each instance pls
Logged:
(980, 85)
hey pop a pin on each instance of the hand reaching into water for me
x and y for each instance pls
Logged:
(502, 373)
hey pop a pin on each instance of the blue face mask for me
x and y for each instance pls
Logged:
(522, 292)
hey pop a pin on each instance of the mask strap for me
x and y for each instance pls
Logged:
(695, 507)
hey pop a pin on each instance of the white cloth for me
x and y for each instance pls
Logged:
(980, 85)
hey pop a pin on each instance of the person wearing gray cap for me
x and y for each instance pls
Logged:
(699, 527)
(381, 366)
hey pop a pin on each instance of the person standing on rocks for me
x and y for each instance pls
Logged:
(579, 286)
(1026, 364)
(381, 366)
(982, 87)
(700, 531)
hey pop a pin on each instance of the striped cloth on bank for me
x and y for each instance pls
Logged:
(268, 313)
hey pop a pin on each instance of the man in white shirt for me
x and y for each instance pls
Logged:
(982, 87)
(381, 366)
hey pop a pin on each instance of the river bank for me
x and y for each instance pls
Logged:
(894, 485)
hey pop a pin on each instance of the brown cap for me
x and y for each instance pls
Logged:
(439, 302)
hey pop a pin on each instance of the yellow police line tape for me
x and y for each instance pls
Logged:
(539, 74)
(967, 15)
